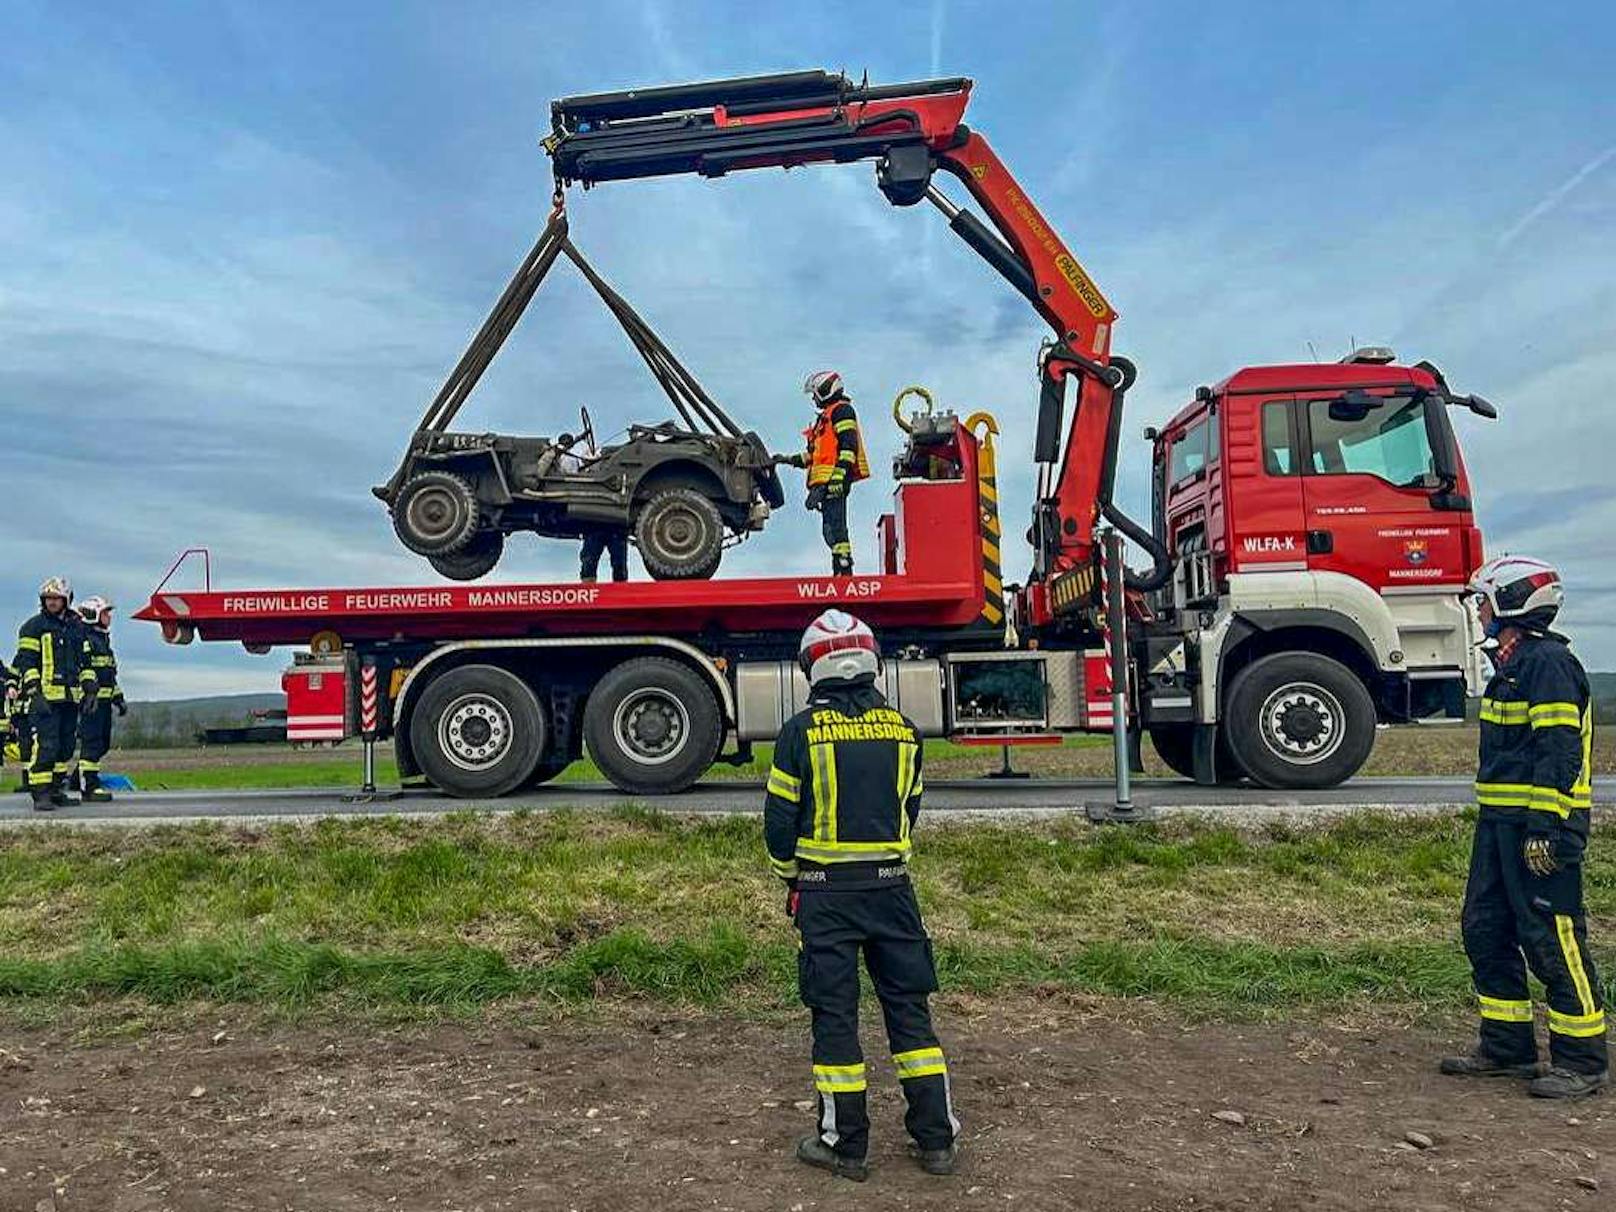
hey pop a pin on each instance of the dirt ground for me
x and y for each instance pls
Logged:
(1064, 1106)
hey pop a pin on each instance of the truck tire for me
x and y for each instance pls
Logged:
(477, 731)
(1298, 720)
(435, 513)
(1175, 745)
(680, 535)
(477, 558)
(653, 726)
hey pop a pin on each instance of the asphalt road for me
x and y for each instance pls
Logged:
(958, 798)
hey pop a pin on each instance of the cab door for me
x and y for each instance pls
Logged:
(1369, 485)
(1264, 491)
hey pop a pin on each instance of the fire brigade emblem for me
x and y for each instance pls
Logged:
(1416, 551)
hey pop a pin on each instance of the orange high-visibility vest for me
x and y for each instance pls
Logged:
(824, 448)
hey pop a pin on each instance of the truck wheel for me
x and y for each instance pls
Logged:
(435, 513)
(1298, 720)
(477, 731)
(477, 558)
(544, 772)
(680, 535)
(1175, 745)
(652, 725)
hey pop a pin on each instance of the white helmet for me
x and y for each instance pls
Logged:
(1521, 591)
(823, 386)
(837, 645)
(92, 608)
(57, 587)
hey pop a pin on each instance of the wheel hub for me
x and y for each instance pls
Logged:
(475, 732)
(1302, 723)
(434, 513)
(679, 532)
(652, 726)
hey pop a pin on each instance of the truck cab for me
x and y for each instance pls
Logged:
(1321, 525)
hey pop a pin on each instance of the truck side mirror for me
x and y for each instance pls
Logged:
(1481, 407)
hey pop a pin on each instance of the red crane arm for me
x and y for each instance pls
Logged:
(910, 130)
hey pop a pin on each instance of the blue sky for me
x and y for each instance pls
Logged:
(241, 243)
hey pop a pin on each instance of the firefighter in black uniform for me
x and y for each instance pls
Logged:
(842, 799)
(9, 749)
(1524, 896)
(53, 667)
(95, 726)
(835, 461)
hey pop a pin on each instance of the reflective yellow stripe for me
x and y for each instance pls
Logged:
(1580, 1025)
(1503, 1010)
(1504, 795)
(1573, 957)
(47, 657)
(27, 643)
(822, 760)
(784, 786)
(853, 852)
(844, 426)
(1555, 715)
(1499, 711)
(89, 767)
(785, 868)
(922, 1062)
(839, 1079)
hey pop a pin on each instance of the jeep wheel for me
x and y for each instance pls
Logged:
(680, 535)
(477, 558)
(435, 513)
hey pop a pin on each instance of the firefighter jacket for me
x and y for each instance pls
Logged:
(835, 445)
(103, 663)
(53, 658)
(845, 787)
(1537, 739)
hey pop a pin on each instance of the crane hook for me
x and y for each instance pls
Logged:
(897, 405)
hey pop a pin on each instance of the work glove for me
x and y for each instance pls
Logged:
(792, 460)
(88, 703)
(119, 705)
(1538, 852)
(815, 499)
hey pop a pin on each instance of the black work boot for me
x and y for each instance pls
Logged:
(841, 566)
(59, 796)
(42, 799)
(1566, 1083)
(935, 1161)
(1484, 1064)
(815, 1152)
(94, 792)
(73, 780)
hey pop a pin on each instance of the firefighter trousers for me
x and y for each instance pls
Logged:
(883, 924)
(1514, 920)
(95, 737)
(609, 540)
(55, 725)
(833, 525)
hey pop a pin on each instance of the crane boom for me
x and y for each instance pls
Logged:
(911, 130)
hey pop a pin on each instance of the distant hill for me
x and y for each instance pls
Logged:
(166, 723)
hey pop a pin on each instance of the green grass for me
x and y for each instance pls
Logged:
(253, 768)
(467, 910)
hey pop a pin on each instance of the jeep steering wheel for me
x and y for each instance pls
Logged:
(586, 435)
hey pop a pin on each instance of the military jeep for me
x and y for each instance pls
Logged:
(681, 494)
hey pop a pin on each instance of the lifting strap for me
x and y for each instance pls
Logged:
(690, 400)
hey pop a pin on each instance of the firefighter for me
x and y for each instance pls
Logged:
(842, 799)
(95, 726)
(1524, 895)
(9, 750)
(53, 664)
(835, 461)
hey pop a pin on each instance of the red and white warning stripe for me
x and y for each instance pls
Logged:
(369, 707)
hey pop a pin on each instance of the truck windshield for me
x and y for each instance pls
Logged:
(1193, 450)
(1389, 441)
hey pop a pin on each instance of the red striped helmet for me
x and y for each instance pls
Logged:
(837, 645)
(823, 386)
(1520, 590)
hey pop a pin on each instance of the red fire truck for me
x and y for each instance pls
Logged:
(1312, 533)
